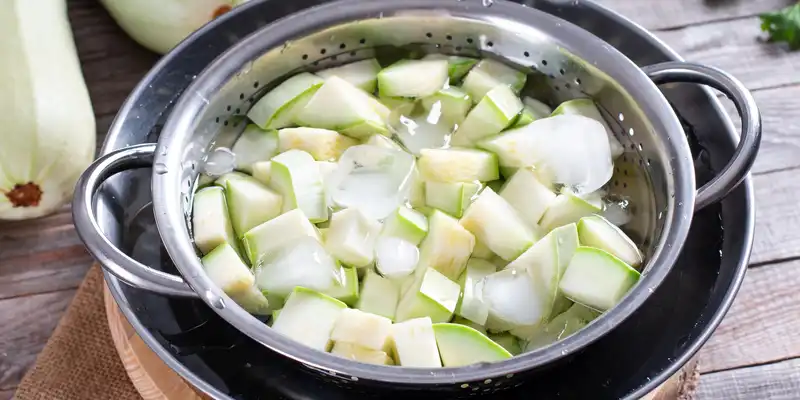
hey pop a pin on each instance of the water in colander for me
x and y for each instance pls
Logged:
(427, 213)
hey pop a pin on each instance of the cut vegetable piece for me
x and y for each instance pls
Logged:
(255, 144)
(489, 74)
(373, 179)
(508, 342)
(357, 353)
(616, 209)
(345, 286)
(471, 305)
(452, 198)
(567, 236)
(458, 165)
(597, 279)
(253, 301)
(211, 224)
(464, 321)
(342, 107)
(514, 299)
(276, 234)
(413, 78)
(296, 176)
(322, 144)
(563, 325)
(407, 224)
(542, 264)
(457, 67)
(416, 195)
(461, 345)
(305, 263)
(587, 108)
(495, 112)
(529, 197)
(251, 204)
(361, 328)
(525, 117)
(261, 171)
(433, 295)
(398, 106)
(422, 132)
(565, 209)
(482, 251)
(450, 105)
(351, 237)
(382, 141)
(275, 315)
(379, 295)
(278, 107)
(538, 108)
(361, 74)
(568, 149)
(395, 258)
(308, 317)
(204, 181)
(494, 222)
(326, 168)
(227, 271)
(222, 181)
(447, 246)
(596, 231)
(414, 344)
(561, 304)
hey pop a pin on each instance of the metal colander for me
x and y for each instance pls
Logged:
(562, 61)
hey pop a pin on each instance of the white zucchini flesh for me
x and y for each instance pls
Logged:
(527, 195)
(460, 345)
(302, 262)
(406, 224)
(253, 301)
(488, 74)
(382, 141)
(452, 198)
(364, 329)
(596, 231)
(351, 237)
(414, 344)
(211, 224)
(495, 112)
(277, 108)
(309, 317)
(222, 181)
(431, 295)
(378, 295)
(525, 117)
(342, 107)
(447, 247)
(254, 145)
(224, 267)
(482, 251)
(587, 108)
(538, 108)
(563, 325)
(395, 258)
(495, 223)
(413, 78)
(296, 176)
(471, 305)
(361, 354)
(458, 165)
(450, 104)
(276, 234)
(48, 127)
(361, 74)
(322, 144)
(250, 204)
(261, 171)
(457, 66)
(542, 264)
(565, 209)
(597, 279)
(567, 149)
(567, 236)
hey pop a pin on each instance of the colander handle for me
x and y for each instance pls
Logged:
(739, 166)
(110, 257)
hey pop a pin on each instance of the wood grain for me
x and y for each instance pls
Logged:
(777, 381)
(27, 324)
(777, 236)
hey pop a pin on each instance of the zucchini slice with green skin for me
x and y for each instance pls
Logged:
(222, 181)
(296, 176)
(494, 113)
(340, 106)
(351, 237)
(527, 195)
(278, 107)
(471, 305)
(211, 223)
(407, 224)
(457, 66)
(447, 247)
(450, 104)
(322, 144)
(565, 209)
(254, 145)
(413, 78)
(482, 251)
(538, 108)
(488, 74)
(452, 198)
(463, 321)
(597, 279)
(432, 295)
(495, 223)
(382, 141)
(308, 317)
(565, 324)
(250, 204)
(253, 301)
(588, 108)
(508, 342)
(227, 270)
(414, 344)
(458, 165)
(378, 295)
(261, 171)
(361, 354)
(277, 233)
(596, 231)
(525, 117)
(345, 288)
(461, 345)
(361, 74)
(363, 329)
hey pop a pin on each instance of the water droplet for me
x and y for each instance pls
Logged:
(160, 168)
(487, 3)
(215, 300)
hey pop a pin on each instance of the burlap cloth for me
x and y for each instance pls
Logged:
(80, 361)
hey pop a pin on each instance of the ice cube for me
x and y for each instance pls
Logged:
(303, 262)
(423, 132)
(395, 258)
(219, 162)
(512, 297)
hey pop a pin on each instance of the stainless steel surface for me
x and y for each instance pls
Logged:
(745, 155)
(664, 175)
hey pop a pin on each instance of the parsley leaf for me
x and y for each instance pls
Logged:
(783, 25)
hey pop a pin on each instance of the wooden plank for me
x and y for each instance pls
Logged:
(665, 14)
(7, 394)
(738, 47)
(27, 324)
(760, 326)
(778, 381)
(776, 236)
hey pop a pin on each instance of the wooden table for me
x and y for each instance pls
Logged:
(755, 353)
